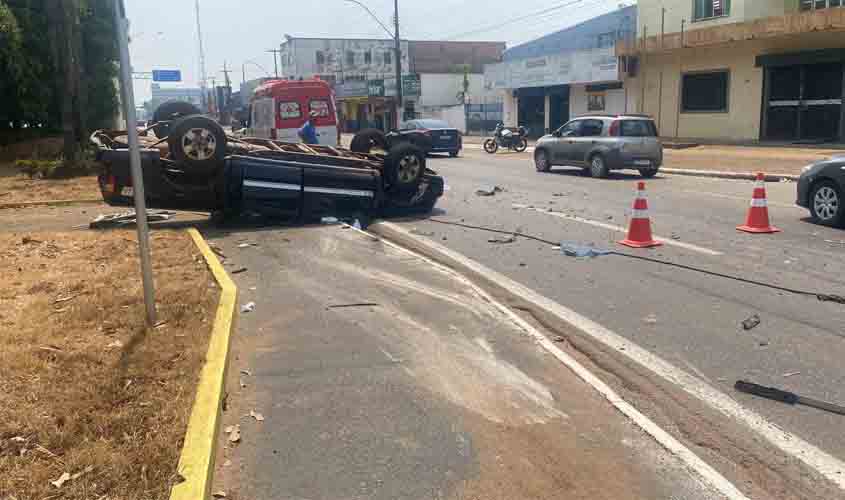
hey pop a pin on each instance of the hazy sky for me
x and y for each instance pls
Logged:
(165, 37)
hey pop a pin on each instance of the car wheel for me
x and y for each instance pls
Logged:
(826, 204)
(648, 173)
(491, 146)
(541, 161)
(367, 139)
(170, 112)
(454, 154)
(199, 144)
(598, 167)
(521, 146)
(404, 168)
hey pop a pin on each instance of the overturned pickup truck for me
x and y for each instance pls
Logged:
(192, 164)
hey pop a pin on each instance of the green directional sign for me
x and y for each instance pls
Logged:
(411, 85)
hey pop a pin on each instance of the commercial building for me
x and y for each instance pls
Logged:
(363, 73)
(740, 70)
(574, 71)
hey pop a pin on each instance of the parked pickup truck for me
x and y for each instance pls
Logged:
(195, 165)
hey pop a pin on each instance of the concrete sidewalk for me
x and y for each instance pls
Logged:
(381, 376)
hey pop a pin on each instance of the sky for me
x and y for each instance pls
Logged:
(240, 32)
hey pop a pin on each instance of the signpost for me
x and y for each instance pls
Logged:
(167, 75)
(127, 95)
(411, 85)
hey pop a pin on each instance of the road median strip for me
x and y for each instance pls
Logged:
(196, 463)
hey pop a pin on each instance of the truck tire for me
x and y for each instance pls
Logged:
(199, 144)
(171, 111)
(404, 168)
(367, 139)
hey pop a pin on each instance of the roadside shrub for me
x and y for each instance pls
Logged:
(57, 169)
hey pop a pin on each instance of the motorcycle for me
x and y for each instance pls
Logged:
(507, 138)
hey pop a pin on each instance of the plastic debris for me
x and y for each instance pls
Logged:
(751, 323)
(129, 218)
(329, 220)
(248, 307)
(791, 374)
(571, 249)
(257, 416)
(502, 239)
(651, 319)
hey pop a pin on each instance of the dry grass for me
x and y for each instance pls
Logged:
(18, 188)
(83, 385)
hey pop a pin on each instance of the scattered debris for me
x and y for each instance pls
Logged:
(18, 439)
(246, 245)
(116, 344)
(160, 324)
(218, 251)
(422, 233)
(559, 339)
(558, 195)
(257, 416)
(522, 264)
(227, 463)
(357, 304)
(129, 218)
(444, 238)
(835, 242)
(651, 319)
(50, 348)
(247, 373)
(253, 288)
(66, 299)
(235, 435)
(571, 249)
(26, 240)
(488, 191)
(502, 239)
(240, 270)
(789, 398)
(763, 343)
(219, 494)
(65, 477)
(676, 236)
(751, 323)
(248, 307)
(791, 374)
(228, 429)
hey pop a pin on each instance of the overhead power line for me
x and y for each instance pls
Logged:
(516, 19)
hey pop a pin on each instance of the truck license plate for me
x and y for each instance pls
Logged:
(644, 163)
(128, 191)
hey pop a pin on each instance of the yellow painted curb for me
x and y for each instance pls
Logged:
(196, 464)
(51, 203)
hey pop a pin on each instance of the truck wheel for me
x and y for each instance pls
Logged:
(404, 168)
(366, 140)
(169, 112)
(199, 144)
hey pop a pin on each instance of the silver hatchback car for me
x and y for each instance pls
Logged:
(601, 143)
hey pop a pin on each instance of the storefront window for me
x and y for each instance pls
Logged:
(705, 9)
(819, 4)
(705, 92)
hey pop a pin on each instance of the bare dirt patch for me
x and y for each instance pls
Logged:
(92, 404)
(19, 188)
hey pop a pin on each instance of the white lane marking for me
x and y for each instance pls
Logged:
(825, 464)
(695, 464)
(738, 198)
(612, 227)
(389, 356)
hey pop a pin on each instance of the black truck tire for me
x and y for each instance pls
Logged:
(171, 111)
(367, 139)
(404, 167)
(199, 144)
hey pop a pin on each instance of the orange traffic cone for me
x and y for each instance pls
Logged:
(758, 214)
(639, 231)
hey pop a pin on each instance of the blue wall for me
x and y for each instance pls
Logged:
(622, 23)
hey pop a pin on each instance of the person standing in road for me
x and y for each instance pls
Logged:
(308, 132)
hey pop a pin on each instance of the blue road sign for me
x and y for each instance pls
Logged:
(167, 75)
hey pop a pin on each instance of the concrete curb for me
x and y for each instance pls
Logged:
(729, 175)
(51, 203)
(196, 463)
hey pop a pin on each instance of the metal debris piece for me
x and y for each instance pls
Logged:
(751, 323)
(422, 233)
(789, 398)
(488, 191)
(356, 304)
(502, 239)
(791, 374)
(257, 416)
(248, 307)
(123, 219)
(240, 270)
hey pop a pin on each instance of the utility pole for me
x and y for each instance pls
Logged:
(203, 75)
(276, 59)
(226, 72)
(399, 104)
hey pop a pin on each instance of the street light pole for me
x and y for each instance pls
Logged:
(275, 59)
(128, 97)
(400, 106)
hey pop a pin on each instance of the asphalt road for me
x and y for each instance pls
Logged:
(428, 392)
(691, 319)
